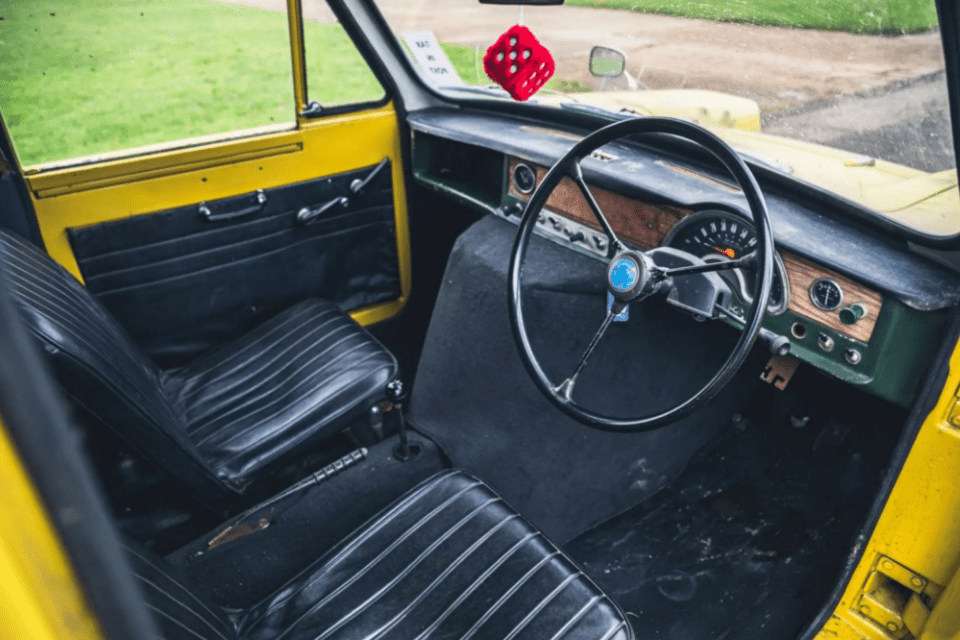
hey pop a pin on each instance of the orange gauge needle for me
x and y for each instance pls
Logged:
(730, 253)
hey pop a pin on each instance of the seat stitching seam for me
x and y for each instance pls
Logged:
(444, 574)
(506, 596)
(367, 535)
(542, 605)
(284, 400)
(476, 584)
(576, 618)
(393, 582)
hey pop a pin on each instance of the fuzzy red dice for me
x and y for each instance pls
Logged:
(518, 62)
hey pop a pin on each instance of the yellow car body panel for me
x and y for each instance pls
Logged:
(42, 599)
(925, 201)
(918, 529)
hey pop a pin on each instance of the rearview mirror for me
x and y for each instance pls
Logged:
(607, 63)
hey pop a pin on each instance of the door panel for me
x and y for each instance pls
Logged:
(165, 270)
(211, 273)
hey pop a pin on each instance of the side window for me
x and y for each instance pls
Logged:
(80, 78)
(337, 74)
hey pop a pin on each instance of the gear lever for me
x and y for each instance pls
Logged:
(396, 393)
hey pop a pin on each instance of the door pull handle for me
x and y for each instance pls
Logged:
(206, 212)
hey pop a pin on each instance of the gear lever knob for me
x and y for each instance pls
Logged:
(396, 391)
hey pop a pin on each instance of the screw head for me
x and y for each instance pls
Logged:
(892, 626)
(917, 582)
(887, 565)
(864, 609)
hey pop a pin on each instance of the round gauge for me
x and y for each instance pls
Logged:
(720, 235)
(524, 178)
(826, 294)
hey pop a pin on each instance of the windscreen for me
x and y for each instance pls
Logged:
(848, 96)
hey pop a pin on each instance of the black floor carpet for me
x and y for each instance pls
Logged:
(474, 397)
(747, 543)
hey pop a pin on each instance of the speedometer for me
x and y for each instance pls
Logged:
(721, 235)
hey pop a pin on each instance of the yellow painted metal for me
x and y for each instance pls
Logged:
(295, 18)
(919, 527)
(90, 194)
(944, 622)
(41, 599)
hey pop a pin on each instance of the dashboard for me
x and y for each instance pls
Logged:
(852, 303)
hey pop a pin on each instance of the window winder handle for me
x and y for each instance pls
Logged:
(358, 185)
(308, 215)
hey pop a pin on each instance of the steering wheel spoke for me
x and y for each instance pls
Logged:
(748, 261)
(565, 388)
(615, 246)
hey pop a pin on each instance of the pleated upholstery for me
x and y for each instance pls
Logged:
(449, 560)
(96, 363)
(294, 379)
(179, 611)
(219, 423)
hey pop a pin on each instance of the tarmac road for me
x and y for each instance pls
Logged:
(906, 122)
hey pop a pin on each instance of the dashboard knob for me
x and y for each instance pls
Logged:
(851, 314)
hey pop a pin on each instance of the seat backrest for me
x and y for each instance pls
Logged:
(179, 611)
(103, 373)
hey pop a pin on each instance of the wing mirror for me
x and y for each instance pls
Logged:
(607, 63)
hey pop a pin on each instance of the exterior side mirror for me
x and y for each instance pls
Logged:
(607, 63)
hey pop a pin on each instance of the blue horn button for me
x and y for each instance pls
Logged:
(624, 274)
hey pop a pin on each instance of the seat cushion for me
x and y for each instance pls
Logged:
(298, 377)
(449, 560)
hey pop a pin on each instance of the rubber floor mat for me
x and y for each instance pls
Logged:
(747, 543)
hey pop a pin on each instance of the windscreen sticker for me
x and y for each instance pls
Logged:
(431, 58)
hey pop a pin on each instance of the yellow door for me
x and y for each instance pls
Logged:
(292, 189)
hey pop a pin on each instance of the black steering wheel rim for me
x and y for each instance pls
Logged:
(761, 295)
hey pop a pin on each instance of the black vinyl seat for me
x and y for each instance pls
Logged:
(448, 560)
(223, 422)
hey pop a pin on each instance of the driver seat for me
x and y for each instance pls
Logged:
(448, 560)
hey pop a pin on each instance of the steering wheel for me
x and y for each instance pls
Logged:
(633, 275)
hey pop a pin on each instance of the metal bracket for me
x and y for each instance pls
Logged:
(779, 371)
(897, 599)
(312, 110)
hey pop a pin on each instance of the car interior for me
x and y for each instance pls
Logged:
(575, 421)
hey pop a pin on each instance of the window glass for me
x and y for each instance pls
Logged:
(848, 95)
(79, 78)
(336, 72)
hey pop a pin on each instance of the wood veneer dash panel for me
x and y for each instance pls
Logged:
(641, 223)
(802, 273)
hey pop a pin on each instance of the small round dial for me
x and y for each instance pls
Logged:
(826, 294)
(524, 178)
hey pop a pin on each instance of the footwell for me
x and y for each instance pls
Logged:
(747, 543)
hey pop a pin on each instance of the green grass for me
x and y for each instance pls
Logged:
(857, 16)
(79, 78)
